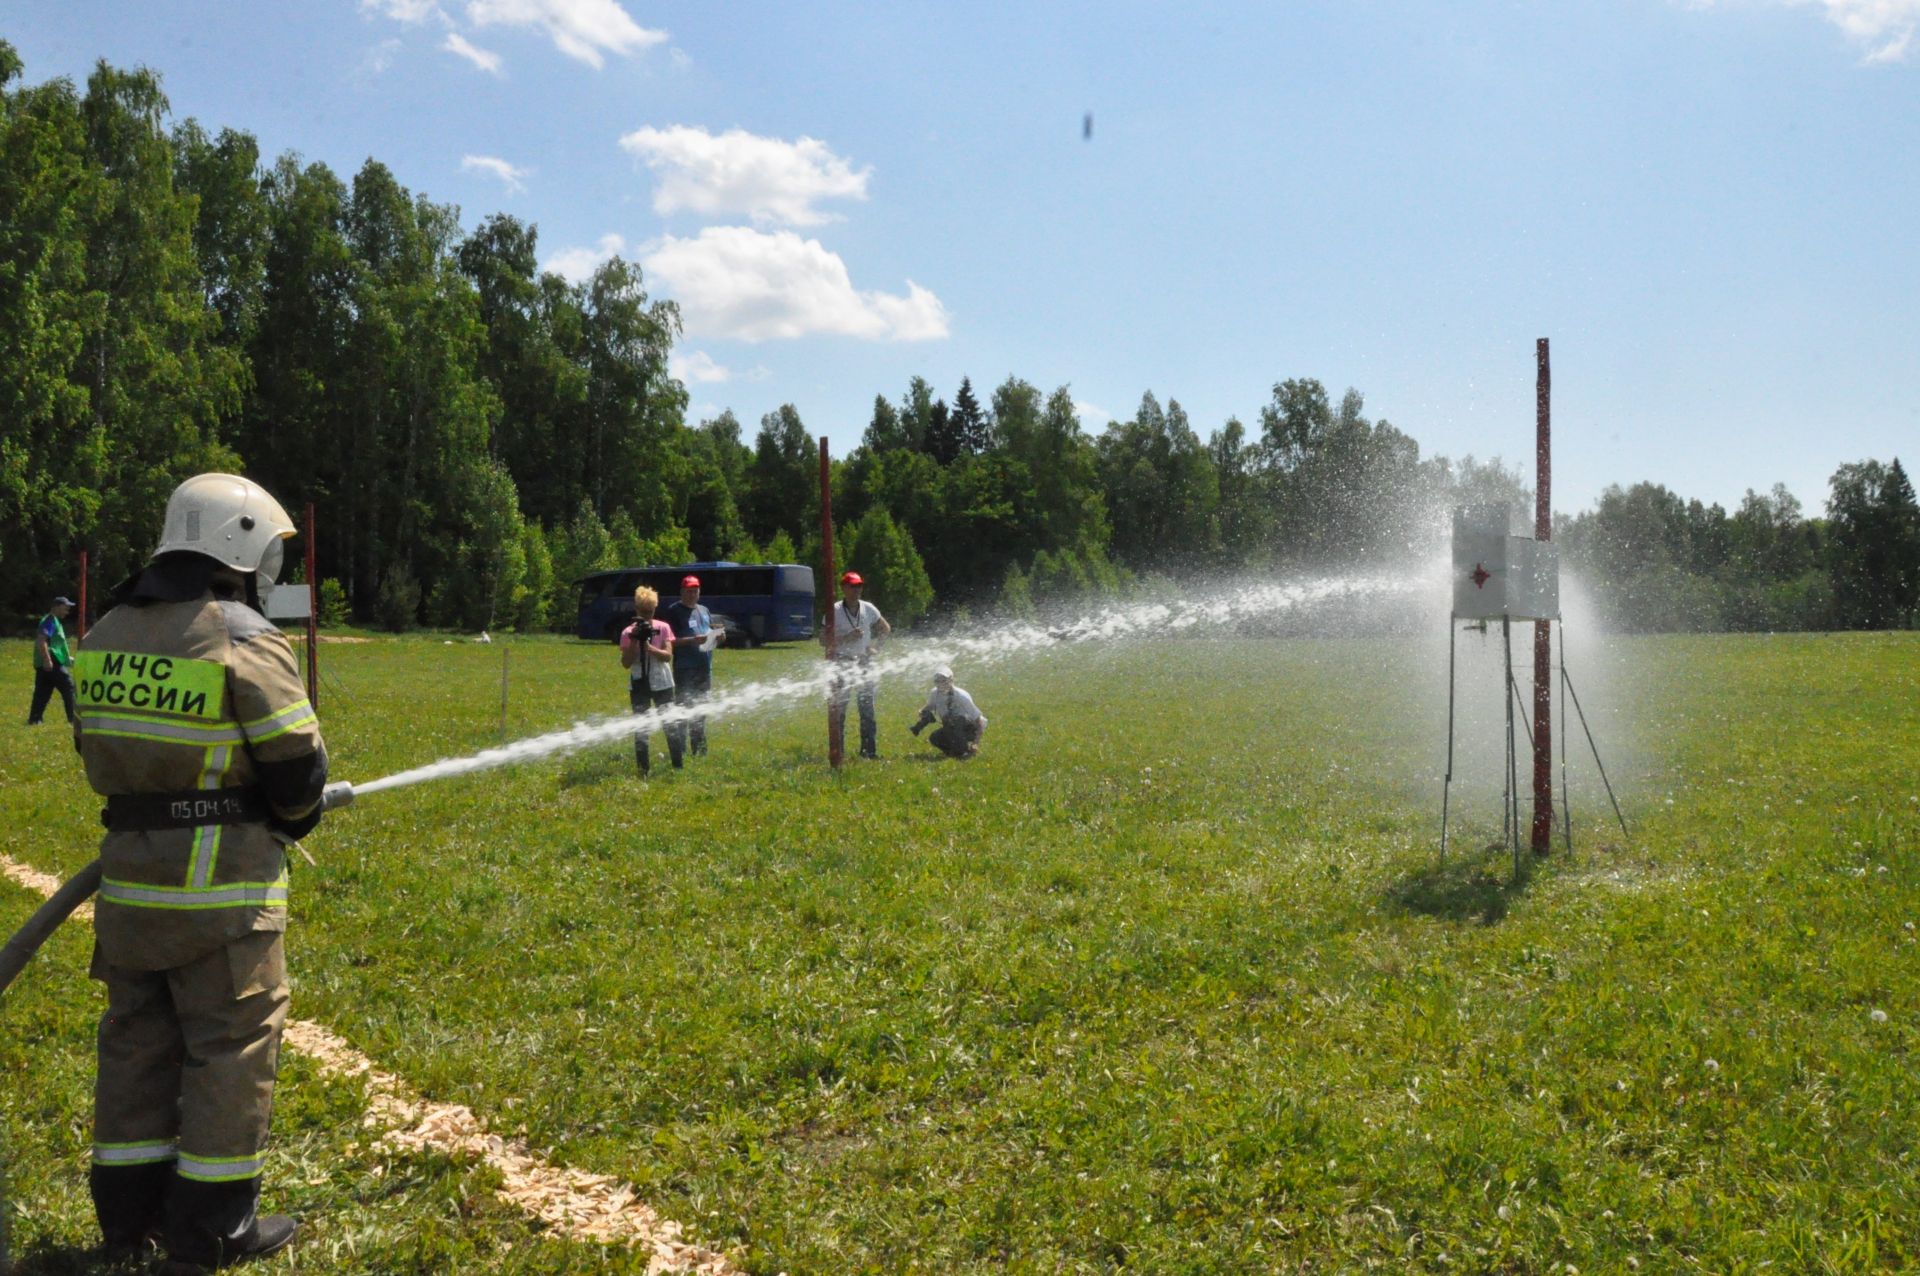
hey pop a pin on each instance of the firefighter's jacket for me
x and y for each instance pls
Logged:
(197, 695)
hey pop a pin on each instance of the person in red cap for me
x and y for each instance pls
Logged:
(857, 629)
(693, 643)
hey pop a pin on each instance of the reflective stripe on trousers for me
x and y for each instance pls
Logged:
(220, 1169)
(151, 1153)
(227, 895)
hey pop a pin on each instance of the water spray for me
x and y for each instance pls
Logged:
(1114, 623)
(61, 905)
(1111, 624)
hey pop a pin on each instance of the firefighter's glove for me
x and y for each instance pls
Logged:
(295, 784)
(294, 830)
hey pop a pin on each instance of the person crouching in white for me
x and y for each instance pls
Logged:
(961, 722)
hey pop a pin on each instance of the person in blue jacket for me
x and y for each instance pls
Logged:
(694, 639)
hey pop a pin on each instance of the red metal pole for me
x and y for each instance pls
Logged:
(836, 707)
(80, 614)
(1542, 639)
(313, 618)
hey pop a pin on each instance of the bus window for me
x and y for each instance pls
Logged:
(745, 596)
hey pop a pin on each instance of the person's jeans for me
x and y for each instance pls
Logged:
(645, 699)
(45, 683)
(691, 685)
(861, 682)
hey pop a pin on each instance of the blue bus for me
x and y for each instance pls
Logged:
(756, 602)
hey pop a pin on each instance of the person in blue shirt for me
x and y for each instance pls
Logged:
(693, 642)
(52, 662)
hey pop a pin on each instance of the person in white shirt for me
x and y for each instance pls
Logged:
(855, 630)
(961, 722)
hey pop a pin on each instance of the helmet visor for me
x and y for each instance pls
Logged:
(272, 560)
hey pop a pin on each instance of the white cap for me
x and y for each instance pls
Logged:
(944, 671)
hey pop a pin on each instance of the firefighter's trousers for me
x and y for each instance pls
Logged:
(187, 1063)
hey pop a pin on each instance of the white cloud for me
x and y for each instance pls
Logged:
(734, 281)
(1886, 28)
(1894, 49)
(379, 57)
(766, 178)
(696, 366)
(486, 59)
(411, 12)
(583, 29)
(511, 175)
(578, 264)
(1091, 410)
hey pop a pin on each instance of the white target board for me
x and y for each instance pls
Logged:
(1497, 575)
(287, 602)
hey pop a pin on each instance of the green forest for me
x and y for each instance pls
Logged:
(477, 434)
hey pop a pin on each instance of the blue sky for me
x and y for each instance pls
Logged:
(1711, 209)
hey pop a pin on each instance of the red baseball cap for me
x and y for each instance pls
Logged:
(852, 578)
(689, 582)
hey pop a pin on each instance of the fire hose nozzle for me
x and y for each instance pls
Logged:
(336, 795)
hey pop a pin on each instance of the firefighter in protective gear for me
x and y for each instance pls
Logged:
(194, 724)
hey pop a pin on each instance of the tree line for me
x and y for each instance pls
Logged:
(476, 434)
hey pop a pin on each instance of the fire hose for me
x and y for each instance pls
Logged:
(19, 950)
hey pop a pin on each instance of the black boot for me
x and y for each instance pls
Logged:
(131, 1202)
(214, 1225)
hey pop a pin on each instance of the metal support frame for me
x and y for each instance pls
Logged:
(1566, 794)
(313, 615)
(80, 615)
(1519, 726)
(506, 660)
(1446, 786)
(1511, 803)
(1566, 683)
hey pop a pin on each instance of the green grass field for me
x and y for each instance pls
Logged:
(1168, 980)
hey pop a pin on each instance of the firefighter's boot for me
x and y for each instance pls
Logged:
(131, 1203)
(215, 1225)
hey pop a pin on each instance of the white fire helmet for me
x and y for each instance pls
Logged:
(230, 519)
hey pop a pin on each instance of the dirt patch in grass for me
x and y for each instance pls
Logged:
(34, 880)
